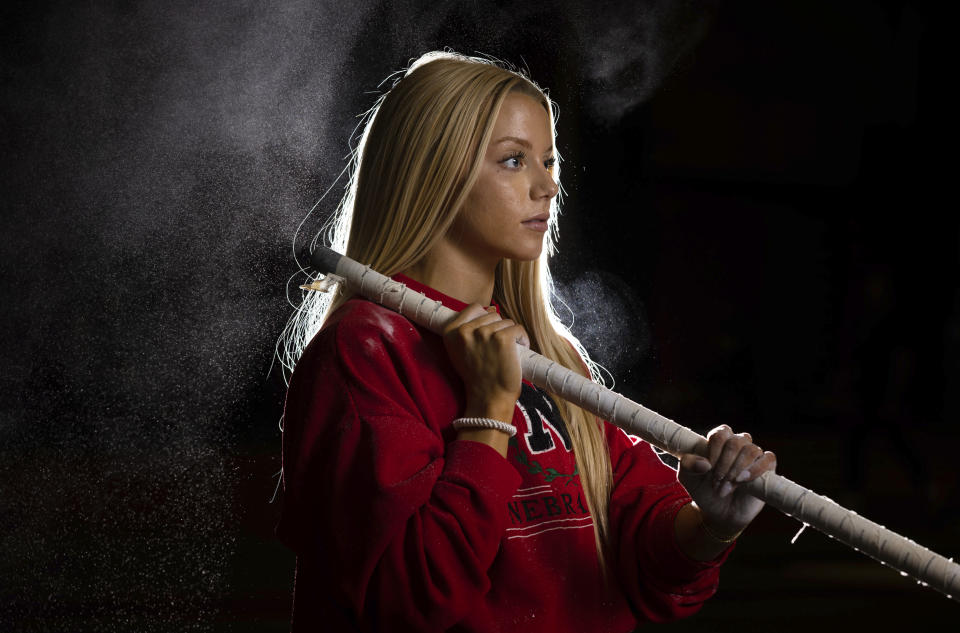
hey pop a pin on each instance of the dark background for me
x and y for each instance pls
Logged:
(756, 231)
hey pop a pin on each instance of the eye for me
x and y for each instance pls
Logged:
(550, 163)
(514, 160)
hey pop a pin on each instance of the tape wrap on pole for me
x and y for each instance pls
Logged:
(812, 509)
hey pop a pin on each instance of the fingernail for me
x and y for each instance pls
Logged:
(743, 476)
(726, 488)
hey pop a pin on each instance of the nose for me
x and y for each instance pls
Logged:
(545, 186)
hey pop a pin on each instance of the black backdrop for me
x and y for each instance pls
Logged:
(756, 231)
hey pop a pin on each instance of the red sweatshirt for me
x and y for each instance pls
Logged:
(398, 526)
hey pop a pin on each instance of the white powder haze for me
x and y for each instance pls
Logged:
(628, 51)
(158, 160)
(165, 157)
(608, 318)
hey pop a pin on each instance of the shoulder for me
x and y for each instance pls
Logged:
(365, 343)
(376, 361)
(364, 353)
(360, 325)
(360, 315)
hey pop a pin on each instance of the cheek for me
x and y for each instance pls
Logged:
(505, 198)
(474, 218)
(495, 202)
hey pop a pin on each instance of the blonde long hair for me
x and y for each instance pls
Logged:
(417, 159)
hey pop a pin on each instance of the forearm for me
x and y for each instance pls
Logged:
(695, 541)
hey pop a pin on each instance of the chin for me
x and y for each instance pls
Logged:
(523, 252)
(524, 257)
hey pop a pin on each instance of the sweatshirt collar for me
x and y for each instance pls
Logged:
(448, 301)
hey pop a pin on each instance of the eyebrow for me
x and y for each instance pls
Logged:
(520, 141)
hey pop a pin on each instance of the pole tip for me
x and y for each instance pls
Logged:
(325, 259)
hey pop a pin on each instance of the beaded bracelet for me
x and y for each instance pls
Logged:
(485, 423)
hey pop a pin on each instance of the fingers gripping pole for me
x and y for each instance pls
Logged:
(835, 521)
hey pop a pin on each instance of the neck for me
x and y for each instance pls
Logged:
(466, 279)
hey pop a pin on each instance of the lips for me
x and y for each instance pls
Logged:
(537, 222)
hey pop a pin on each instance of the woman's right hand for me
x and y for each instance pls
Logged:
(483, 349)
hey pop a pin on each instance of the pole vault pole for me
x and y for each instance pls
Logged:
(863, 535)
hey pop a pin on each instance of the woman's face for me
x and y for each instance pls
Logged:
(505, 214)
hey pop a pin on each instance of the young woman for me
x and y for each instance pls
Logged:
(427, 486)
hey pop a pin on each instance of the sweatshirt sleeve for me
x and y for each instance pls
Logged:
(661, 582)
(408, 524)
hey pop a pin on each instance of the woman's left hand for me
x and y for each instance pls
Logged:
(714, 483)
